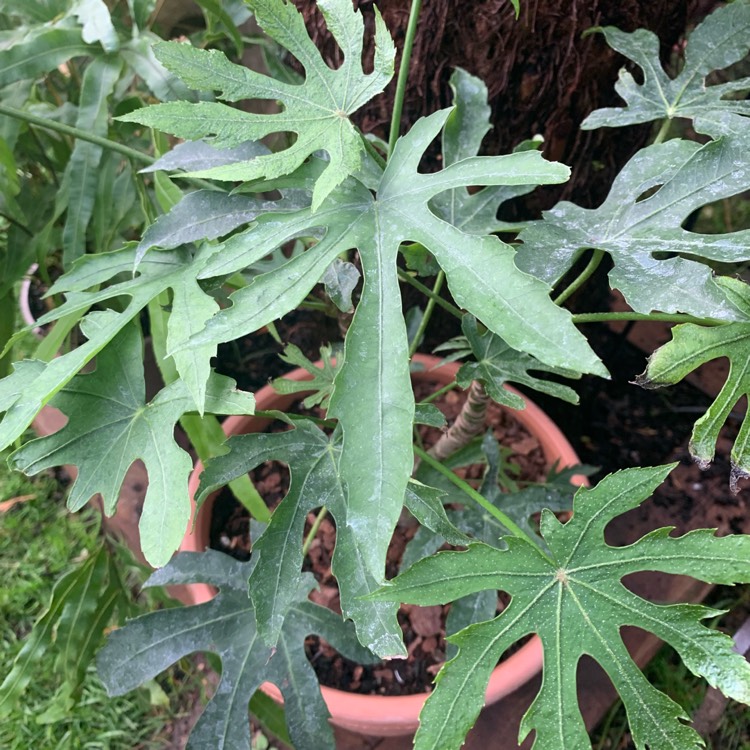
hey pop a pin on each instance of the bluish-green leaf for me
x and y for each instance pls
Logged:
(640, 223)
(722, 39)
(227, 626)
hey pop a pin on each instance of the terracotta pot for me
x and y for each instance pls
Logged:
(376, 714)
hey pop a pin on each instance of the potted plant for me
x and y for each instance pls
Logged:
(332, 206)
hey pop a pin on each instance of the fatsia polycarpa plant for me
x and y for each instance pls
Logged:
(329, 208)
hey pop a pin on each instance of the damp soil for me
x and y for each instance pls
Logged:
(423, 628)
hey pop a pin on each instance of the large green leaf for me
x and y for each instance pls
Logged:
(640, 226)
(313, 463)
(376, 460)
(82, 171)
(693, 345)
(575, 601)
(190, 308)
(227, 626)
(42, 52)
(721, 40)
(110, 425)
(317, 111)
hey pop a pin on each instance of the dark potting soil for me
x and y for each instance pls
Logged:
(423, 627)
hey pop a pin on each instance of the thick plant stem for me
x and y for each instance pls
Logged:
(465, 487)
(82, 135)
(403, 74)
(468, 424)
(429, 309)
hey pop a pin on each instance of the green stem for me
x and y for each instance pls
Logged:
(322, 513)
(663, 130)
(429, 399)
(663, 317)
(403, 73)
(59, 127)
(431, 302)
(376, 155)
(506, 521)
(582, 278)
(452, 309)
(16, 223)
(330, 423)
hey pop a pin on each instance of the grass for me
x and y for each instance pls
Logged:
(40, 540)
(667, 672)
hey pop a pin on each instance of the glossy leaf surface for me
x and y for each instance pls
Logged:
(226, 626)
(575, 601)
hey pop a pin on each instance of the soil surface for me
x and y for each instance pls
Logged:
(424, 628)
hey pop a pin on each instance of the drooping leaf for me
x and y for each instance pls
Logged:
(722, 39)
(317, 111)
(204, 214)
(313, 461)
(693, 345)
(81, 173)
(110, 425)
(321, 381)
(641, 221)
(497, 364)
(68, 632)
(227, 626)
(42, 52)
(376, 460)
(575, 601)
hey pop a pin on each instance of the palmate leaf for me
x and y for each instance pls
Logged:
(575, 601)
(497, 364)
(472, 212)
(227, 626)
(721, 40)
(377, 423)
(317, 111)
(313, 461)
(110, 425)
(642, 216)
(321, 380)
(693, 345)
(21, 398)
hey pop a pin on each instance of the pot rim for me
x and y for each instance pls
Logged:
(396, 715)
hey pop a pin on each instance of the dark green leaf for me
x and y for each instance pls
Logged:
(227, 626)
(575, 601)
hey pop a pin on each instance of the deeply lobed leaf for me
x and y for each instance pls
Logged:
(109, 429)
(574, 600)
(227, 626)
(722, 39)
(640, 226)
(317, 111)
